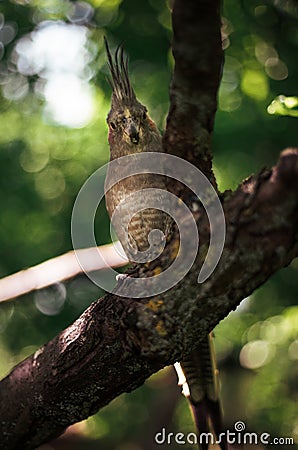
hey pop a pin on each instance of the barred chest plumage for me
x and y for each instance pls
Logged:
(133, 229)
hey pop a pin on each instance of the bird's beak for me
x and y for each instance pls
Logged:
(132, 132)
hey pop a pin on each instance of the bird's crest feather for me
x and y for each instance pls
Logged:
(123, 92)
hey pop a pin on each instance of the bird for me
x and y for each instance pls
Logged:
(132, 131)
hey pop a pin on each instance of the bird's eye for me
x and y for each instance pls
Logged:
(123, 120)
(144, 115)
(112, 125)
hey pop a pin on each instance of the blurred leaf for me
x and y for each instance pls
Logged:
(284, 106)
(254, 83)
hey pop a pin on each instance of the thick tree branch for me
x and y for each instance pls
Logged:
(117, 343)
(198, 58)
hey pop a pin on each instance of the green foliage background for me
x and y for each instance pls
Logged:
(43, 164)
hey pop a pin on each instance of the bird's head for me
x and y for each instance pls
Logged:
(130, 127)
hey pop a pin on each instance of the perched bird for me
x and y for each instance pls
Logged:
(131, 131)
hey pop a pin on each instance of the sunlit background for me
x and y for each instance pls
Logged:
(54, 101)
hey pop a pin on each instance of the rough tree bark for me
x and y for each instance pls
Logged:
(118, 342)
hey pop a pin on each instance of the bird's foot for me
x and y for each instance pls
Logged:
(121, 276)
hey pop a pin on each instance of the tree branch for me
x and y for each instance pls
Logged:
(117, 343)
(198, 58)
(59, 269)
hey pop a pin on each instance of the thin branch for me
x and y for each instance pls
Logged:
(198, 58)
(59, 269)
(117, 343)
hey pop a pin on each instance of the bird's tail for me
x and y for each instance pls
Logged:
(198, 376)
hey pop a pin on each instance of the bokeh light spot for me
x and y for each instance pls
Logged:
(80, 12)
(50, 301)
(256, 354)
(16, 87)
(263, 51)
(293, 350)
(274, 330)
(58, 53)
(8, 32)
(276, 69)
(255, 84)
(50, 183)
(33, 162)
(69, 101)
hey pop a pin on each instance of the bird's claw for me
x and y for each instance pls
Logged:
(121, 276)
